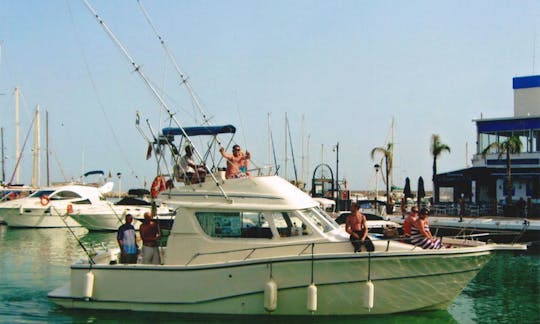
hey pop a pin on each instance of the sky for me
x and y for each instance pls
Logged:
(340, 70)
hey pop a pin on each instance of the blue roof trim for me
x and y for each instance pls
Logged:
(199, 130)
(508, 125)
(526, 82)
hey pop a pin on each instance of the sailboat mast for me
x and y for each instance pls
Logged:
(47, 146)
(17, 127)
(2, 155)
(285, 173)
(36, 171)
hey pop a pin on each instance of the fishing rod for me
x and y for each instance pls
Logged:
(90, 258)
(158, 97)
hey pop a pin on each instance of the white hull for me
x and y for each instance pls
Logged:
(401, 284)
(37, 217)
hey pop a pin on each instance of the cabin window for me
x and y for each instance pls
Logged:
(66, 194)
(289, 225)
(41, 193)
(234, 224)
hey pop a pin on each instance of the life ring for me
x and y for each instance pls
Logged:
(158, 185)
(69, 209)
(44, 200)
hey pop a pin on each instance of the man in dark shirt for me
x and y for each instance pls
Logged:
(150, 236)
(127, 241)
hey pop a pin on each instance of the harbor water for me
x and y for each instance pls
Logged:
(35, 261)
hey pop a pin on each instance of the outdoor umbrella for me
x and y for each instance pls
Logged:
(421, 192)
(407, 190)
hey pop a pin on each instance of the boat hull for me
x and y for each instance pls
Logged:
(403, 282)
(37, 218)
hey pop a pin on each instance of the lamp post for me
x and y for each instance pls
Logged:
(336, 149)
(119, 175)
(377, 168)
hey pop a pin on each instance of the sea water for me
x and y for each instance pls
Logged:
(36, 261)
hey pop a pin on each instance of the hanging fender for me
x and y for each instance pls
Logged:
(44, 200)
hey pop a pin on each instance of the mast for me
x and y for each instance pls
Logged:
(47, 146)
(285, 173)
(2, 155)
(36, 170)
(17, 127)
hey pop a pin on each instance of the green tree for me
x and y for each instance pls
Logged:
(388, 155)
(512, 145)
(436, 148)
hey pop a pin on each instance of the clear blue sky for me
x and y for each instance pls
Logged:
(348, 67)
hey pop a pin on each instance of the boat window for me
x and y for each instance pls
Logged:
(316, 216)
(65, 194)
(82, 202)
(41, 193)
(235, 224)
(289, 225)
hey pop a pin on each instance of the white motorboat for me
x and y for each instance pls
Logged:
(498, 229)
(49, 207)
(108, 216)
(259, 246)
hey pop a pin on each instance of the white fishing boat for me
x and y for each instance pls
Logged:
(259, 245)
(108, 216)
(49, 207)
(266, 247)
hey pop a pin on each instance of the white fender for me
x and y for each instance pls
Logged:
(312, 298)
(370, 295)
(88, 284)
(270, 295)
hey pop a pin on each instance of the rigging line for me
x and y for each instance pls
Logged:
(183, 78)
(98, 98)
(157, 96)
(22, 150)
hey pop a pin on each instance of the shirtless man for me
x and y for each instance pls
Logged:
(236, 163)
(356, 226)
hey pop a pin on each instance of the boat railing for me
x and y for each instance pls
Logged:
(296, 249)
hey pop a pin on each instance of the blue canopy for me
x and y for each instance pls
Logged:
(200, 130)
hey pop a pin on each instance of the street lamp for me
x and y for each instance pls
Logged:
(377, 168)
(119, 175)
(336, 149)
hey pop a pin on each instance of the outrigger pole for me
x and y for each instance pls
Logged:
(183, 77)
(146, 81)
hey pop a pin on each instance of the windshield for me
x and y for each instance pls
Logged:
(319, 218)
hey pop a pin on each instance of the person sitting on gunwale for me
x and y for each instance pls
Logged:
(421, 235)
(356, 226)
(408, 224)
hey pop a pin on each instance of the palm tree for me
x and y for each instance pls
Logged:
(437, 147)
(512, 145)
(388, 155)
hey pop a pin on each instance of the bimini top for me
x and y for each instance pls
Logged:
(199, 130)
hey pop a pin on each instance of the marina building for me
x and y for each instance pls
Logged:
(483, 183)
